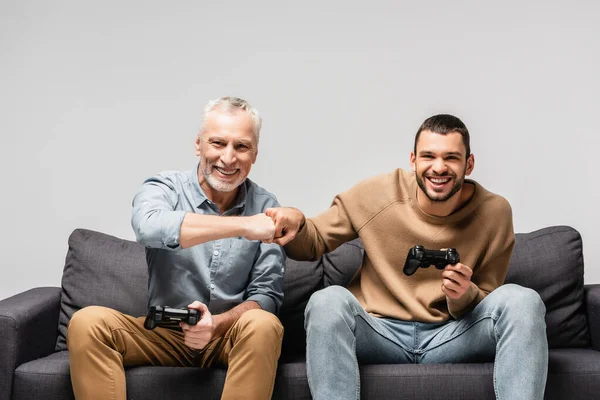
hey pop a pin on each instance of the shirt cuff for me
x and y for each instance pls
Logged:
(265, 302)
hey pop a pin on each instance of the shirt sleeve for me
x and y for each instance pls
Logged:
(266, 280)
(265, 285)
(155, 220)
(327, 231)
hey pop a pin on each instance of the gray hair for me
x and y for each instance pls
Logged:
(229, 104)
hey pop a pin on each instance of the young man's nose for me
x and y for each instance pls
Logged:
(439, 166)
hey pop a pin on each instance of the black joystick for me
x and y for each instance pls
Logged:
(168, 317)
(419, 257)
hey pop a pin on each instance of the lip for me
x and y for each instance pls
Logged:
(226, 176)
(439, 185)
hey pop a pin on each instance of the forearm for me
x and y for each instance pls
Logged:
(222, 322)
(197, 228)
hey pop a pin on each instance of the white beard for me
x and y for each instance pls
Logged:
(219, 185)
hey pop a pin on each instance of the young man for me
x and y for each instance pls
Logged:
(459, 314)
(202, 230)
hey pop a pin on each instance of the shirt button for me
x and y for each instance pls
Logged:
(212, 286)
(216, 252)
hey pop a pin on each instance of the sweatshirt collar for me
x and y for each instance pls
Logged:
(457, 215)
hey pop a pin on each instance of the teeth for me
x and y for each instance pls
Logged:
(225, 172)
(434, 180)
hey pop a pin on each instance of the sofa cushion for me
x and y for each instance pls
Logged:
(340, 266)
(550, 261)
(300, 280)
(572, 374)
(102, 270)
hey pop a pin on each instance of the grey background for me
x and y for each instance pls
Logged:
(97, 96)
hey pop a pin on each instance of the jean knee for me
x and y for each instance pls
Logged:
(328, 305)
(524, 302)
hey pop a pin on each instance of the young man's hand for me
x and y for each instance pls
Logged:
(288, 221)
(199, 335)
(456, 280)
(259, 227)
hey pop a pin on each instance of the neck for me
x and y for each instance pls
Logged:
(445, 208)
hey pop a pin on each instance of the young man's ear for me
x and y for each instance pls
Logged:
(470, 165)
(413, 159)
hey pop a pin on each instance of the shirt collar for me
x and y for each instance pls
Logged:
(200, 197)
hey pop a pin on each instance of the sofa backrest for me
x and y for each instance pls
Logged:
(550, 261)
(104, 270)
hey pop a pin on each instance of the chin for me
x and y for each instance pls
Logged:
(224, 187)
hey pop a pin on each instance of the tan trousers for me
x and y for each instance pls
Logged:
(103, 341)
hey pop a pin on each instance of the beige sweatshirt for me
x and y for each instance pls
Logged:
(383, 211)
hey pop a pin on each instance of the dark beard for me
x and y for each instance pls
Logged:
(457, 186)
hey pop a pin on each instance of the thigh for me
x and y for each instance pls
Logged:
(465, 340)
(127, 335)
(383, 341)
(471, 338)
(255, 331)
(375, 340)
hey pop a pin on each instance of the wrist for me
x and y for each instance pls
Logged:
(302, 223)
(244, 227)
(216, 324)
(302, 220)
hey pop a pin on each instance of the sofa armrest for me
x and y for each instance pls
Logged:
(592, 302)
(28, 330)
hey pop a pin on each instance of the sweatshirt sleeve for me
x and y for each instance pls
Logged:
(349, 212)
(330, 229)
(491, 272)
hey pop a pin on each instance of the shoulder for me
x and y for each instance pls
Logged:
(492, 203)
(173, 180)
(383, 189)
(493, 210)
(259, 196)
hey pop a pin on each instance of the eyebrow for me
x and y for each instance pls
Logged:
(235, 142)
(247, 143)
(450, 153)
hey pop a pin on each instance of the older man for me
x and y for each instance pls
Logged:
(202, 230)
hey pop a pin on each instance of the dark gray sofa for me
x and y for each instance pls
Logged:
(104, 270)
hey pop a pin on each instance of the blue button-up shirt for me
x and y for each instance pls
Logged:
(221, 273)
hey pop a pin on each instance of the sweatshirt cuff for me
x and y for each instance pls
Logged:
(299, 248)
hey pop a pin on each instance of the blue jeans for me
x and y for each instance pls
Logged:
(508, 327)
